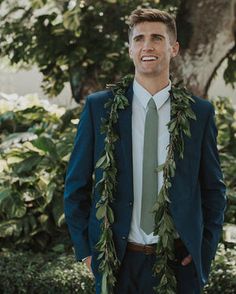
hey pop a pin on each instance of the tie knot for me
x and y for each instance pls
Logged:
(152, 104)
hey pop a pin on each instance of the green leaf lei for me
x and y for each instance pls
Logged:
(178, 126)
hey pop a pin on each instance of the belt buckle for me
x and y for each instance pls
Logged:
(146, 250)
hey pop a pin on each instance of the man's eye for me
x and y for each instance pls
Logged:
(137, 39)
(158, 38)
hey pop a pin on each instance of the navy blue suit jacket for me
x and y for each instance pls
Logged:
(197, 193)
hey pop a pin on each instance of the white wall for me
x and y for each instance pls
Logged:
(24, 82)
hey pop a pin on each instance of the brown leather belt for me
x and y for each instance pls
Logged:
(146, 249)
(151, 248)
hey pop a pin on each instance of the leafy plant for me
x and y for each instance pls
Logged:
(57, 38)
(226, 124)
(36, 142)
(223, 274)
(80, 42)
(51, 273)
(54, 273)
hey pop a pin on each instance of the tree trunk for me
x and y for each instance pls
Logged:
(206, 31)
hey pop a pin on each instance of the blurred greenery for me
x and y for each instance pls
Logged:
(35, 144)
(76, 41)
(226, 124)
(57, 273)
(222, 278)
(80, 42)
(51, 273)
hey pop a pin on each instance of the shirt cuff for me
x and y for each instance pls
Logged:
(84, 258)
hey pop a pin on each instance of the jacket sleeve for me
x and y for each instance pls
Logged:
(212, 186)
(78, 184)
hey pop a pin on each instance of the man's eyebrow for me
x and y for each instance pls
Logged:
(158, 35)
(152, 35)
(137, 36)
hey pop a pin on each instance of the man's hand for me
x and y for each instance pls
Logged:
(186, 260)
(87, 261)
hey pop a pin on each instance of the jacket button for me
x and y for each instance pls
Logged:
(123, 238)
(130, 203)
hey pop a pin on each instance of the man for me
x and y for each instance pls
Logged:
(197, 193)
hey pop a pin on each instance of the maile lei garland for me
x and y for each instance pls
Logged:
(178, 126)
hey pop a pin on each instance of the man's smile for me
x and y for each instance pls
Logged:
(149, 58)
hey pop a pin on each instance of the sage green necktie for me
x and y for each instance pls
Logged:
(150, 176)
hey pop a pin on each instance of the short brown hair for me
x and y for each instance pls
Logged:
(152, 15)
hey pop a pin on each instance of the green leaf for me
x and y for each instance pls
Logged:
(163, 281)
(171, 126)
(59, 248)
(71, 19)
(101, 161)
(45, 222)
(110, 215)
(15, 138)
(45, 144)
(13, 206)
(5, 193)
(14, 159)
(101, 212)
(172, 170)
(3, 165)
(27, 164)
(160, 167)
(18, 210)
(187, 131)
(164, 240)
(58, 211)
(31, 147)
(36, 4)
(50, 192)
(191, 114)
(10, 228)
(104, 289)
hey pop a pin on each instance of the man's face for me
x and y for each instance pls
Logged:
(151, 49)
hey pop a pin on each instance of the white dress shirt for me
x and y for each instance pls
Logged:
(139, 109)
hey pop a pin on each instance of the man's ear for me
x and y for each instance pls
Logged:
(175, 49)
(130, 53)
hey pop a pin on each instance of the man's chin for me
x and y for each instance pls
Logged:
(150, 73)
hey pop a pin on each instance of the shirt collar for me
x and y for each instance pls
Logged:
(144, 96)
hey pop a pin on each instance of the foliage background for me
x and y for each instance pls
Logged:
(85, 42)
(55, 273)
(35, 144)
(80, 42)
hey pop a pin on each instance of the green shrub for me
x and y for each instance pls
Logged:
(35, 144)
(226, 124)
(222, 279)
(27, 272)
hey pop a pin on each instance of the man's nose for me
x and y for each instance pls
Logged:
(148, 46)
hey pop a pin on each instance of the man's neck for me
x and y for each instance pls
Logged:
(153, 84)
